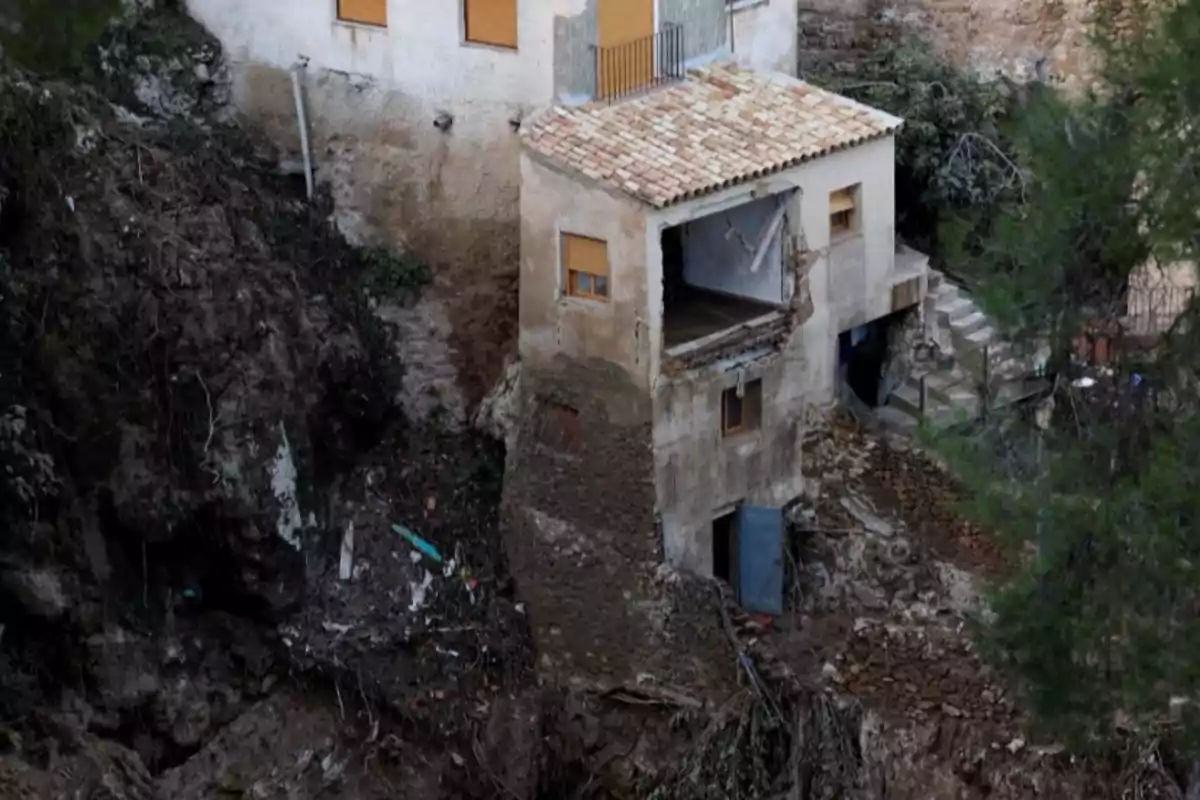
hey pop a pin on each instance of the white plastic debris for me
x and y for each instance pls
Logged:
(346, 564)
(418, 592)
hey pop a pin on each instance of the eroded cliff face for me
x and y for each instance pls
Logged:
(1020, 39)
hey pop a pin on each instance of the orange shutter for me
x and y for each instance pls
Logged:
(841, 200)
(626, 41)
(367, 12)
(584, 254)
(491, 22)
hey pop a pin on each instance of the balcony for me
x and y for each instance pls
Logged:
(638, 65)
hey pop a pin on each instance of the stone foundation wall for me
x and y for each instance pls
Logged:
(1021, 39)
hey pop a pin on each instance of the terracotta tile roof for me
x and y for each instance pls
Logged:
(721, 126)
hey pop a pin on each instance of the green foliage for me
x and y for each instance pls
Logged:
(952, 151)
(1097, 623)
(1069, 239)
(54, 38)
(390, 276)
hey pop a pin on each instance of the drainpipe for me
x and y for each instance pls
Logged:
(302, 120)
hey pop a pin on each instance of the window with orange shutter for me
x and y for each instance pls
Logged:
(363, 12)
(585, 267)
(843, 211)
(491, 22)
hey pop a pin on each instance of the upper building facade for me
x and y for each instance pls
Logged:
(414, 105)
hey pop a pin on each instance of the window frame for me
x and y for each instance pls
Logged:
(852, 212)
(571, 274)
(375, 26)
(464, 21)
(749, 408)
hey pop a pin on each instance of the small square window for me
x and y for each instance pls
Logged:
(843, 211)
(741, 408)
(585, 261)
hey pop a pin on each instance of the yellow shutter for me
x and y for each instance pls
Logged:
(491, 22)
(583, 254)
(625, 31)
(841, 200)
(367, 12)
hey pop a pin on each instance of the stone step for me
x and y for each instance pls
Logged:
(907, 398)
(943, 386)
(981, 336)
(895, 419)
(971, 322)
(945, 408)
(953, 308)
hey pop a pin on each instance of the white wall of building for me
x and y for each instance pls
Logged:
(764, 35)
(719, 250)
(421, 51)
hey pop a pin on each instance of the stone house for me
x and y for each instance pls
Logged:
(413, 109)
(691, 259)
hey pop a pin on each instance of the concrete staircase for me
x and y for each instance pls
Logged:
(966, 352)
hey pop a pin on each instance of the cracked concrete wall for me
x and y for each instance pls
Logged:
(553, 324)
(763, 35)
(705, 24)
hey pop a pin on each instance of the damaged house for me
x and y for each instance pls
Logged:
(691, 259)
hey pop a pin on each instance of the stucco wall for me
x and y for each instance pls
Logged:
(719, 250)
(763, 34)
(552, 324)
(699, 473)
(852, 281)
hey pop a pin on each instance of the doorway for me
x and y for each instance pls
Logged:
(863, 354)
(724, 548)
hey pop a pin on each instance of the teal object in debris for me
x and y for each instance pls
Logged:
(419, 543)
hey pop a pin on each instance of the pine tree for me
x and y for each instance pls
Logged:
(1099, 620)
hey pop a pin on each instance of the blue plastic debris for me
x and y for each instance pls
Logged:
(425, 547)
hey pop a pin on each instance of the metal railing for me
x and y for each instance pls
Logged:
(639, 64)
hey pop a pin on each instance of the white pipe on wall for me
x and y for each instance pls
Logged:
(302, 121)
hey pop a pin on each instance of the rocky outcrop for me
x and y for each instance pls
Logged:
(1020, 39)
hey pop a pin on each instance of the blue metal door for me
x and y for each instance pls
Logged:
(760, 559)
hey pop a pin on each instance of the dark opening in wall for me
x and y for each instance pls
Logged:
(724, 547)
(741, 408)
(862, 354)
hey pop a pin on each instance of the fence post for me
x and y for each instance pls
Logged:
(595, 72)
(987, 376)
(921, 395)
